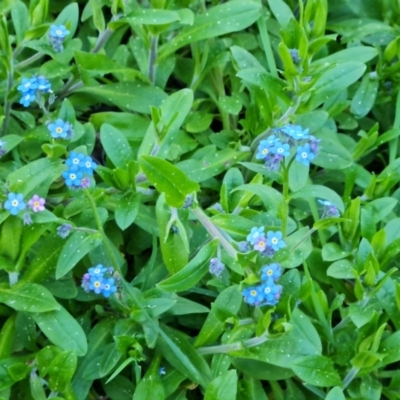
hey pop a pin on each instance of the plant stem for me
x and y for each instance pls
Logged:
(102, 39)
(29, 60)
(7, 102)
(151, 72)
(314, 212)
(13, 278)
(315, 390)
(213, 231)
(349, 377)
(286, 199)
(237, 346)
(262, 27)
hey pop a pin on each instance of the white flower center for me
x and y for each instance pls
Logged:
(107, 287)
(58, 32)
(72, 176)
(304, 154)
(15, 203)
(274, 240)
(253, 292)
(27, 84)
(75, 161)
(88, 164)
(267, 290)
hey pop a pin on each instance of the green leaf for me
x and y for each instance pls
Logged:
(298, 248)
(334, 80)
(76, 247)
(63, 330)
(271, 198)
(128, 96)
(192, 272)
(11, 141)
(116, 146)
(342, 269)
(29, 297)
(37, 173)
(69, 17)
(177, 350)
(320, 192)
(229, 301)
(317, 371)
(211, 164)
(61, 370)
(335, 394)
(154, 16)
(174, 243)
(220, 20)
(224, 387)
(169, 179)
(281, 11)
(150, 387)
(302, 340)
(364, 97)
(127, 209)
(20, 19)
(109, 359)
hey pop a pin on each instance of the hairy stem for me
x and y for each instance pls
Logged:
(151, 72)
(214, 231)
(29, 60)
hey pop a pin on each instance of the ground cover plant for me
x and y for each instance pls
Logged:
(199, 199)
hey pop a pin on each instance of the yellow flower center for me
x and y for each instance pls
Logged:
(253, 292)
(97, 284)
(59, 130)
(36, 204)
(270, 272)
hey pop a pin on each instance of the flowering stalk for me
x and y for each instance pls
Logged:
(151, 72)
(214, 231)
(7, 103)
(286, 199)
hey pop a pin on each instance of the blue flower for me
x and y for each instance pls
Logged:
(96, 284)
(330, 210)
(271, 272)
(253, 295)
(294, 53)
(15, 203)
(43, 84)
(27, 98)
(27, 85)
(72, 176)
(271, 293)
(99, 270)
(216, 267)
(260, 244)
(87, 165)
(59, 129)
(161, 371)
(265, 147)
(296, 132)
(304, 154)
(255, 233)
(64, 230)
(108, 287)
(281, 149)
(58, 31)
(274, 240)
(74, 159)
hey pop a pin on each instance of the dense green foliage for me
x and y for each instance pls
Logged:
(146, 146)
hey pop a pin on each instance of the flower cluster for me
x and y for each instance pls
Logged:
(278, 146)
(267, 244)
(57, 35)
(216, 267)
(268, 292)
(15, 203)
(32, 88)
(80, 167)
(60, 129)
(64, 230)
(100, 280)
(330, 210)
